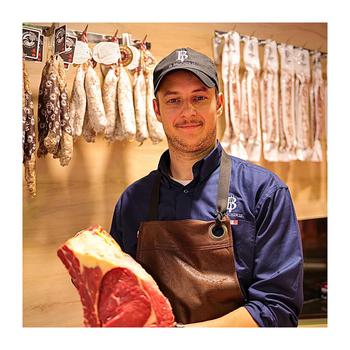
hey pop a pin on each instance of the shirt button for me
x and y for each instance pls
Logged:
(185, 190)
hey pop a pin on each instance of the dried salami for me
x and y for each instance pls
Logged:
(302, 87)
(228, 132)
(118, 129)
(77, 106)
(287, 148)
(318, 107)
(88, 132)
(269, 102)
(251, 110)
(234, 96)
(126, 105)
(28, 123)
(109, 96)
(96, 112)
(49, 110)
(66, 141)
(155, 128)
(140, 106)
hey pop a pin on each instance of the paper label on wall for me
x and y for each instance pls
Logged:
(60, 39)
(82, 52)
(30, 42)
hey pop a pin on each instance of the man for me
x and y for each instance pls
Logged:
(218, 234)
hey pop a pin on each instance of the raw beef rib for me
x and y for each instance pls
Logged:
(114, 289)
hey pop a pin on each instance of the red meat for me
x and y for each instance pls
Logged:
(114, 289)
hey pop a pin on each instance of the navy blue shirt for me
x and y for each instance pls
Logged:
(267, 243)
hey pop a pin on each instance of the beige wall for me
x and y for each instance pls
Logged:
(84, 193)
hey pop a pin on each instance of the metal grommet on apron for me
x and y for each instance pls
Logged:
(217, 231)
(193, 261)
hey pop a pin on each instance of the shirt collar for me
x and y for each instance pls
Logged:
(201, 169)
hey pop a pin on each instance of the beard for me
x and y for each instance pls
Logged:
(182, 145)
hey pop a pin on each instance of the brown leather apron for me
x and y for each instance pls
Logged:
(192, 261)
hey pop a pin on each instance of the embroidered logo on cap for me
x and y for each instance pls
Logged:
(231, 203)
(181, 55)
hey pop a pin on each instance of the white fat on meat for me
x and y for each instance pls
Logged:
(94, 250)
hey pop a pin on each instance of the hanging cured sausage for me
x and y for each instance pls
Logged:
(96, 112)
(123, 109)
(155, 128)
(66, 141)
(118, 129)
(88, 132)
(49, 110)
(55, 133)
(302, 92)
(91, 112)
(318, 107)
(28, 134)
(250, 119)
(77, 106)
(269, 102)
(234, 96)
(109, 96)
(126, 105)
(140, 105)
(287, 148)
(290, 125)
(225, 62)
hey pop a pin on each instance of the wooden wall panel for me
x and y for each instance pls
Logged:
(84, 193)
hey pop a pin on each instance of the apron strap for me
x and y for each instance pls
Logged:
(224, 184)
(154, 203)
(223, 190)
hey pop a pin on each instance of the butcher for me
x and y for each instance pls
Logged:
(218, 234)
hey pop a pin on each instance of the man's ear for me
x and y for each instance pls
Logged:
(219, 103)
(156, 109)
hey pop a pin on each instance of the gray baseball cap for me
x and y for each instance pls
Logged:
(188, 59)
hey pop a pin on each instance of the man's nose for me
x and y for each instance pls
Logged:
(188, 108)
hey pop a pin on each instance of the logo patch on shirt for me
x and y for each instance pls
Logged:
(231, 203)
(234, 209)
